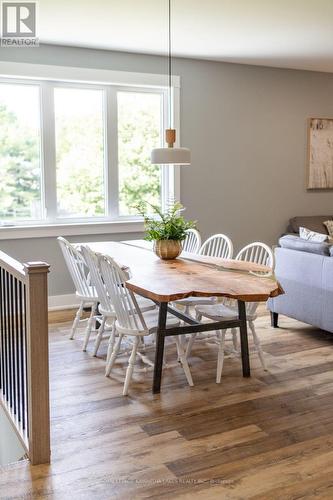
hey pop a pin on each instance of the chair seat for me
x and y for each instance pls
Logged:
(193, 301)
(107, 313)
(151, 319)
(218, 312)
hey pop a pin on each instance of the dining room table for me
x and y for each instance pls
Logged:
(190, 275)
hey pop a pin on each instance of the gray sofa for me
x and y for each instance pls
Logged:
(305, 271)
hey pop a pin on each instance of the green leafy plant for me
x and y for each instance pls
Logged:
(169, 225)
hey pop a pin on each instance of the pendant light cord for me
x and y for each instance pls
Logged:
(170, 64)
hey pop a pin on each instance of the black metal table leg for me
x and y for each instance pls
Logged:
(244, 339)
(274, 319)
(160, 337)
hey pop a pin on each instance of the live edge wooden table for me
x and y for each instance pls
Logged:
(164, 281)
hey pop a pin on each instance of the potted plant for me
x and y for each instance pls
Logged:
(166, 229)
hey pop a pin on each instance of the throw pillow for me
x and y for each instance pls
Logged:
(329, 225)
(308, 235)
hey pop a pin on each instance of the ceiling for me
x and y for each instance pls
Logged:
(282, 33)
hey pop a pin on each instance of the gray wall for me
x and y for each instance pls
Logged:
(48, 250)
(246, 127)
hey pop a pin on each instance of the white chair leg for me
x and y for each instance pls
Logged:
(257, 345)
(220, 357)
(89, 327)
(113, 356)
(182, 341)
(182, 338)
(183, 360)
(190, 345)
(234, 339)
(99, 336)
(76, 320)
(130, 368)
(192, 338)
(111, 342)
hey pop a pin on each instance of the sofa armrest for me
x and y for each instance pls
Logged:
(301, 277)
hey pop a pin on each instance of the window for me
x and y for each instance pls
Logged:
(139, 131)
(79, 133)
(20, 158)
(79, 152)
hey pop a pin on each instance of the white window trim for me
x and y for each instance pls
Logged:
(72, 229)
(85, 76)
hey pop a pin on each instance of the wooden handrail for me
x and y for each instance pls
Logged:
(14, 267)
(24, 363)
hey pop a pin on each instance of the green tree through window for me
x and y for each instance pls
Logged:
(20, 190)
(82, 144)
(138, 133)
(79, 152)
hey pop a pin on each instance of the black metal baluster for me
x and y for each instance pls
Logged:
(25, 359)
(4, 333)
(12, 339)
(10, 342)
(6, 336)
(3, 354)
(17, 349)
(10, 381)
(1, 333)
(22, 366)
(14, 344)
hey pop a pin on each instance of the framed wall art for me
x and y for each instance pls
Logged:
(320, 153)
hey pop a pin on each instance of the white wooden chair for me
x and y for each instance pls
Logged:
(105, 307)
(192, 242)
(259, 253)
(131, 320)
(218, 245)
(84, 291)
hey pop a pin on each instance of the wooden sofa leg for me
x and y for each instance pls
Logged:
(274, 319)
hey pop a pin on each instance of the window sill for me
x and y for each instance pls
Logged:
(70, 229)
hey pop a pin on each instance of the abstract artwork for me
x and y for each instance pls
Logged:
(320, 153)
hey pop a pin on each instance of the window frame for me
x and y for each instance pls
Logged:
(49, 146)
(23, 222)
(125, 82)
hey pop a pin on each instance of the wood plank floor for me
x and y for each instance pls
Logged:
(267, 437)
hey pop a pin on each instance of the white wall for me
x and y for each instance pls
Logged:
(246, 127)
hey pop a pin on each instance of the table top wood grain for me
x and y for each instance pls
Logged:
(188, 275)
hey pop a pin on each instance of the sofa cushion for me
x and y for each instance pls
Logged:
(294, 242)
(314, 223)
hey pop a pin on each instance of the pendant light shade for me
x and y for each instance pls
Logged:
(170, 155)
(174, 156)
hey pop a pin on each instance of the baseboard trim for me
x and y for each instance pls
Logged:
(63, 302)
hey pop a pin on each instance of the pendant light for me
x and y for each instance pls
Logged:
(170, 154)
